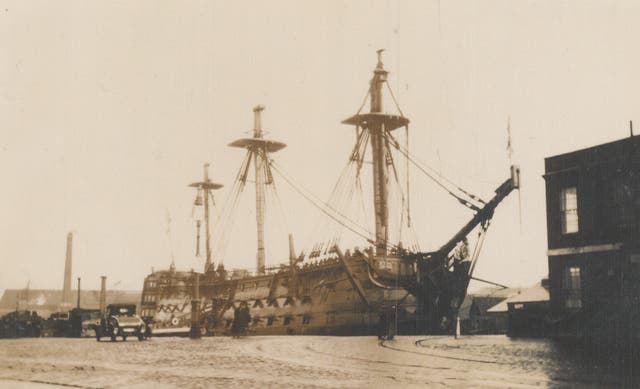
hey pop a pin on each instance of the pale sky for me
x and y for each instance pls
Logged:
(109, 109)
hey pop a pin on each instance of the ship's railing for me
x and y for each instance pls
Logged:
(328, 258)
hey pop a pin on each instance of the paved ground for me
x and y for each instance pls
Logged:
(297, 361)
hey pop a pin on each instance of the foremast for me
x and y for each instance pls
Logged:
(203, 196)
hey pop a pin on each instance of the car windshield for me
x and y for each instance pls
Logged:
(122, 311)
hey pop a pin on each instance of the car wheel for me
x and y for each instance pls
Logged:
(98, 338)
(124, 338)
(140, 337)
(113, 338)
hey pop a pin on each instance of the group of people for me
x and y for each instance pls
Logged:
(320, 262)
(21, 324)
(241, 320)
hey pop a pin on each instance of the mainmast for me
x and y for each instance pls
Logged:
(258, 149)
(260, 162)
(378, 124)
(204, 189)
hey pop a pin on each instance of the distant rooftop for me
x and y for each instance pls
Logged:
(46, 301)
(535, 293)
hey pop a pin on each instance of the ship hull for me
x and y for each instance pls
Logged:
(335, 296)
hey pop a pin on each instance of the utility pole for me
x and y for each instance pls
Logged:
(195, 308)
(293, 279)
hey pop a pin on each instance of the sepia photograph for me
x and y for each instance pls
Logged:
(319, 194)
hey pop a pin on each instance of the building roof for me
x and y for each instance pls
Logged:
(483, 299)
(46, 301)
(592, 155)
(493, 291)
(535, 293)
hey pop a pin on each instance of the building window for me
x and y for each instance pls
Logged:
(573, 297)
(569, 210)
(620, 212)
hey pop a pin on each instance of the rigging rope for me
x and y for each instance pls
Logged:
(476, 252)
(466, 202)
(364, 102)
(393, 97)
(323, 207)
(406, 131)
(224, 223)
(328, 209)
(343, 191)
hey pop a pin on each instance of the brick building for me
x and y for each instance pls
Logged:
(593, 216)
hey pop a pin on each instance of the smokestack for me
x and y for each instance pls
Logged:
(66, 286)
(78, 306)
(103, 295)
(292, 252)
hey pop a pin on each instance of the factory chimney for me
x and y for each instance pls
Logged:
(78, 304)
(103, 295)
(66, 287)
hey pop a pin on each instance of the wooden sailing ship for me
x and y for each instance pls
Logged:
(340, 293)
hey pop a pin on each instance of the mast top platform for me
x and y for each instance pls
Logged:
(258, 142)
(269, 146)
(206, 184)
(364, 120)
(376, 118)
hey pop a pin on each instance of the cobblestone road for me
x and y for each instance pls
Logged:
(297, 361)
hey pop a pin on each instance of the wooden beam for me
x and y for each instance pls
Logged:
(354, 281)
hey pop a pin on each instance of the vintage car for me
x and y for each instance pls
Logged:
(121, 320)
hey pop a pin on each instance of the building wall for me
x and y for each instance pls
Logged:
(594, 271)
(527, 319)
(600, 280)
(607, 179)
